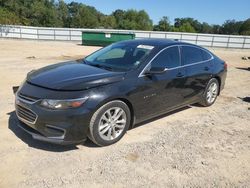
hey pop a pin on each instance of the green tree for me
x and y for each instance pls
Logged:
(43, 13)
(231, 27)
(245, 28)
(196, 25)
(143, 21)
(83, 16)
(108, 22)
(119, 18)
(57, 13)
(185, 27)
(62, 14)
(163, 24)
(216, 29)
(206, 28)
(132, 19)
(8, 18)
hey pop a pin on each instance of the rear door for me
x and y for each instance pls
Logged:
(198, 66)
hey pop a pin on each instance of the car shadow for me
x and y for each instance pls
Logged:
(245, 99)
(26, 138)
(241, 68)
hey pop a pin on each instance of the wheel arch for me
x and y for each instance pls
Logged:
(126, 101)
(219, 80)
(131, 108)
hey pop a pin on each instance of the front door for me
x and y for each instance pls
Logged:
(158, 93)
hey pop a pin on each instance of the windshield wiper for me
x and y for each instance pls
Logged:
(84, 61)
(102, 66)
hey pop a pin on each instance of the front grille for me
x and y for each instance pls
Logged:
(27, 98)
(25, 114)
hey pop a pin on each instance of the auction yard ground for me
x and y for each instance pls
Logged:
(194, 147)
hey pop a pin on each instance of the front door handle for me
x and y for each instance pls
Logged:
(179, 75)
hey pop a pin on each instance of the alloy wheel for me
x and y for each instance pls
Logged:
(212, 92)
(112, 123)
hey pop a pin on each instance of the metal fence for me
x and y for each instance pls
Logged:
(72, 34)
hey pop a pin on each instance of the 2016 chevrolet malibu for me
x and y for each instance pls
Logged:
(114, 88)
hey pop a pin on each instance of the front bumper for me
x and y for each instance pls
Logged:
(38, 136)
(55, 126)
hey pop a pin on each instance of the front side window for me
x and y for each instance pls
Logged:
(169, 58)
(191, 55)
(119, 57)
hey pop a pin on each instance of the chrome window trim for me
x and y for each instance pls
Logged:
(211, 56)
(143, 70)
(179, 46)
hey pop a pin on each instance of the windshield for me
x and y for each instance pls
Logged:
(119, 57)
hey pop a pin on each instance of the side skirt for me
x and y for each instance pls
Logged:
(137, 121)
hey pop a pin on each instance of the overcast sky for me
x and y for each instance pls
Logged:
(211, 11)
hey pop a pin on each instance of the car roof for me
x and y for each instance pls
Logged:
(153, 42)
(158, 42)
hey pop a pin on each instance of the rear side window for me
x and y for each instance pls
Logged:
(168, 58)
(206, 55)
(191, 55)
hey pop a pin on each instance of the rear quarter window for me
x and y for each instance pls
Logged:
(191, 55)
(206, 56)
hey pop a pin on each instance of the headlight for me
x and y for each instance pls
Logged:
(63, 104)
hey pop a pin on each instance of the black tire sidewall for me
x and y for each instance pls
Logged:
(95, 134)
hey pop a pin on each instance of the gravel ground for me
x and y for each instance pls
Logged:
(191, 147)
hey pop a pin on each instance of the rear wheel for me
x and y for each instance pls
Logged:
(210, 93)
(109, 123)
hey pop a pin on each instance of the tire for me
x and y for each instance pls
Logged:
(105, 129)
(211, 93)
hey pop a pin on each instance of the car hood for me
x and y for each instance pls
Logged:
(72, 76)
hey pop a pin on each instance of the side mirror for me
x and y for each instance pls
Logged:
(156, 70)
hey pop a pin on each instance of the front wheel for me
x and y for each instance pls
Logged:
(210, 93)
(109, 123)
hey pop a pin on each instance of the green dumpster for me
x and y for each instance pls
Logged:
(90, 38)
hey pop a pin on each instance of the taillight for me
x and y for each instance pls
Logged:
(225, 65)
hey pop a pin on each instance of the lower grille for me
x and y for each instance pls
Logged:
(25, 114)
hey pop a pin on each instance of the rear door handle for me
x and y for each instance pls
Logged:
(179, 75)
(206, 68)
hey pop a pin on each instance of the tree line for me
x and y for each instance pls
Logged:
(50, 13)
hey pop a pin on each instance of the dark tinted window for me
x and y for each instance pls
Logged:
(119, 57)
(206, 55)
(169, 58)
(191, 55)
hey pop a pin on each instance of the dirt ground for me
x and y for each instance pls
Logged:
(192, 147)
